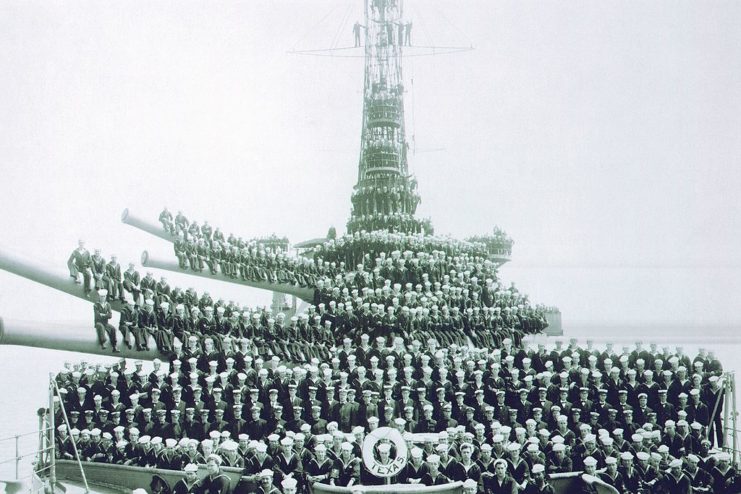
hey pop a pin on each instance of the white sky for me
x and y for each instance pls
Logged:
(603, 136)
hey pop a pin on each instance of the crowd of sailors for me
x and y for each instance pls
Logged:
(450, 307)
(642, 419)
(408, 332)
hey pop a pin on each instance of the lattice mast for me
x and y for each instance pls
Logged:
(385, 196)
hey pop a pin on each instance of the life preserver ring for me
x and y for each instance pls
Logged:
(369, 458)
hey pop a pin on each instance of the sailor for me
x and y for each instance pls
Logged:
(676, 481)
(215, 482)
(500, 482)
(127, 323)
(433, 476)
(356, 33)
(229, 454)
(259, 462)
(590, 467)
(287, 462)
(538, 483)
(131, 281)
(103, 314)
(699, 478)
(345, 470)
(147, 325)
(266, 483)
(80, 262)
(289, 485)
(320, 468)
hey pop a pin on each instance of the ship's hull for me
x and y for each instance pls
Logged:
(126, 478)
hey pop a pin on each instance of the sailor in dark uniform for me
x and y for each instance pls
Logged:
(611, 475)
(538, 483)
(131, 281)
(590, 467)
(266, 483)
(215, 482)
(230, 456)
(147, 325)
(103, 314)
(500, 482)
(80, 262)
(433, 475)
(415, 469)
(699, 478)
(289, 485)
(723, 474)
(676, 481)
(346, 468)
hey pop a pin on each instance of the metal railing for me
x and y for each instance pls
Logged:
(17, 446)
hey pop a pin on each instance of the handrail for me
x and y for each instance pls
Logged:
(18, 457)
(45, 429)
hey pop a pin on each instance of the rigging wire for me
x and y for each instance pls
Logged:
(314, 26)
(433, 50)
(341, 27)
(426, 32)
(460, 31)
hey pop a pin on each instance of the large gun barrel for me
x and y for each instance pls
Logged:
(40, 274)
(69, 337)
(306, 294)
(155, 229)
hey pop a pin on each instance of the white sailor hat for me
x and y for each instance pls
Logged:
(229, 446)
(610, 460)
(289, 483)
(190, 467)
(384, 448)
(589, 461)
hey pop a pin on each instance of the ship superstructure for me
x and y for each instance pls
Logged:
(385, 196)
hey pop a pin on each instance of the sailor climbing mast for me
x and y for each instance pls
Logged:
(385, 196)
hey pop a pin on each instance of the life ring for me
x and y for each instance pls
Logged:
(369, 458)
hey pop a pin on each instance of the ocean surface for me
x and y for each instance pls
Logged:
(25, 375)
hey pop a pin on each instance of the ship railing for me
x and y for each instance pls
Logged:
(38, 453)
(56, 396)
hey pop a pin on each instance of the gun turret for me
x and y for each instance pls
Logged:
(306, 294)
(36, 272)
(131, 219)
(69, 337)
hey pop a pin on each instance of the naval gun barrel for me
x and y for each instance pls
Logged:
(155, 229)
(306, 294)
(36, 272)
(68, 337)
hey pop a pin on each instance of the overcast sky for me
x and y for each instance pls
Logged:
(603, 136)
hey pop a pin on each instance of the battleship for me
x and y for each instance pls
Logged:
(316, 273)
